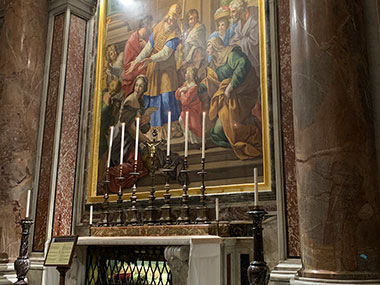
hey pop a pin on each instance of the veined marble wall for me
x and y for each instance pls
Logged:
(22, 52)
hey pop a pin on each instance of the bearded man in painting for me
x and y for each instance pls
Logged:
(158, 55)
(247, 37)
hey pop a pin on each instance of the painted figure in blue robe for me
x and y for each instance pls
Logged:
(158, 56)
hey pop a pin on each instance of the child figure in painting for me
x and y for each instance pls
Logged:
(187, 95)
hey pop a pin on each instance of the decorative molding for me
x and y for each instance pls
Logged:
(8, 273)
(285, 271)
(312, 281)
(178, 258)
(82, 8)
(277, 132)
(80, 184)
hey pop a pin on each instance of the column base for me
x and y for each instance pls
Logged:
(284, 271)
(314, 281)
(7, 274)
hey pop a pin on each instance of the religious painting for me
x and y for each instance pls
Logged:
(190, 71)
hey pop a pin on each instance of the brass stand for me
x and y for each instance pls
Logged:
(258, 271)
(166, 208)
(184, 215)
(22, 263)
(201, 210)
(132, 211)
(120, 178)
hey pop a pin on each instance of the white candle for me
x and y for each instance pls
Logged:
(122, 142)
(169, 129)
(91, 209)
(28, 204)
(203, 134)
(217, 209)
(186, 132)
(110, 148)
(256, 187)
(137, 137)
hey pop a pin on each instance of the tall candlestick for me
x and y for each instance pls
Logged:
(217, 209)
(110, 148)
(256, 187)
(137, 137)
(186, 132)
(169, 129)
(91, 210)
(122, 143)
(28, 204)
(203, 134)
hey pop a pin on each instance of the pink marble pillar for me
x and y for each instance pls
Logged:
(22, 52)
(59, 164)
(338, 197)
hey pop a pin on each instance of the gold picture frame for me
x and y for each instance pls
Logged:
(264, 185)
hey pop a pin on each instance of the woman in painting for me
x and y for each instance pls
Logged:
(232, 85)
(131, 107)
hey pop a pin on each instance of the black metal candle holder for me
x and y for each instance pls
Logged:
(258, 271)
(166, 208)
(22, 263)
(184, 213)
(106, 183)
(132, 211)
(201, 210)
(120, 178)
(152, 145)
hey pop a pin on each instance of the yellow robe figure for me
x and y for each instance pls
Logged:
(235, 126)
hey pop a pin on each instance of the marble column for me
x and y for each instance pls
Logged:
(22, 52)
(338, 197)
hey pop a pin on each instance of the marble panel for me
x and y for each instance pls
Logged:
(48, 136)
(22, 52)
(70, 127)
(222, 229)
(288, 129)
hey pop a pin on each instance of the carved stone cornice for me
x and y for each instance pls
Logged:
(83, 8)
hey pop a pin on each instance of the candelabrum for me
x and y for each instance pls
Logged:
(152, 145)
(166, 208)
(258, 271)
(120, 178)
(106, 184)
(132, 211)
(22, 263)
(184, 214)
(201, 209)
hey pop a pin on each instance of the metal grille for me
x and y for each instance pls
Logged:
(137, 265)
